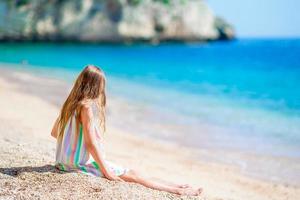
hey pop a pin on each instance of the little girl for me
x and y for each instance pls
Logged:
(78, 132)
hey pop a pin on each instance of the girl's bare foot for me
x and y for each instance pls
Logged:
(200, 190)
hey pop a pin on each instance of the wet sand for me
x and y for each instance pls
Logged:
(30, 104)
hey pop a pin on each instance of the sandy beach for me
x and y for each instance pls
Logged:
(30, 104)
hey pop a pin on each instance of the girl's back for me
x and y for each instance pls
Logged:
(71, 151)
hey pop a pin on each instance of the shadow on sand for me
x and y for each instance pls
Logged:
(15, 171)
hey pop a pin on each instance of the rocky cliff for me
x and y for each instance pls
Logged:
(111, 20)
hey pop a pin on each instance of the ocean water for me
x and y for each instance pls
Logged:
(241, 96)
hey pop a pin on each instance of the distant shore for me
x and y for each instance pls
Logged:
(125, 41)
(151, 21)
(29, 105)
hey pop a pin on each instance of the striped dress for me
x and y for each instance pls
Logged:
(71, 152)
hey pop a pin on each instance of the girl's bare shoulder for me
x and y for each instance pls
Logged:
(86, 107)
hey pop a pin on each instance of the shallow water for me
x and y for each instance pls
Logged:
(239, 96)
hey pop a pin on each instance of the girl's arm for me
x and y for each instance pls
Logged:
(54, 131)
(90, 142)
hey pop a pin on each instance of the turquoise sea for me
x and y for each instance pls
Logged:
(240, 96)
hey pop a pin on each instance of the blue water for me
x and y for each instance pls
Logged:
(254, 69)
(245, 93)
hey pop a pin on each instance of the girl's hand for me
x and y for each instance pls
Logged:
(114, 178)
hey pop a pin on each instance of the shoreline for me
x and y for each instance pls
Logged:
(154, 159)
(125, 41)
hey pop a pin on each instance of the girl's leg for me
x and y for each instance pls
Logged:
(171, 184)
(133, 176)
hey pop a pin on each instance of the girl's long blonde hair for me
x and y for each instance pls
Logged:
(90, 85)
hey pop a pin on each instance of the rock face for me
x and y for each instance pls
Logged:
(111, 20)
